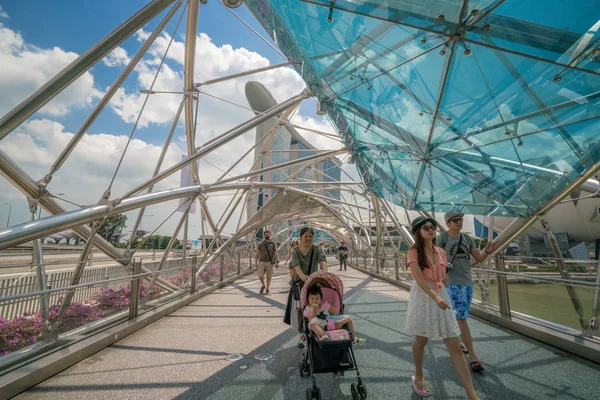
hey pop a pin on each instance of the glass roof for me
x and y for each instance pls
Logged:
(487, 106)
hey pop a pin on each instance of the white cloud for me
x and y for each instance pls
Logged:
(26, 68)
(88, 170)
(319, 141)
(3, 14)
(116, 58)
(211, 61)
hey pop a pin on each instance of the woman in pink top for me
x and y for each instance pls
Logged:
(429, 314)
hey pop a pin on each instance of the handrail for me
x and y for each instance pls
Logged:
(539, 278)
(81, 285)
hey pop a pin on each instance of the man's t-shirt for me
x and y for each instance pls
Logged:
(460, 274)
(267, 252)
(343, 250)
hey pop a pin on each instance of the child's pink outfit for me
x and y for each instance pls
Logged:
(323, 318)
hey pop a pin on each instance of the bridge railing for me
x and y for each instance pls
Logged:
(33, 321)
(566, 299)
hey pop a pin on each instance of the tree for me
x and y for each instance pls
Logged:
(112, 227)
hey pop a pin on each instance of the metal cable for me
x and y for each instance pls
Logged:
(253, 30)
(147, 97)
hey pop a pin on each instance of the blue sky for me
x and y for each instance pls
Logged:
(42, 24)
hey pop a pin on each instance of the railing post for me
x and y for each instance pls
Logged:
(239, 262)
(135, 290)
(193, 276)
(222, 265)
(397, 268)
(503, 299)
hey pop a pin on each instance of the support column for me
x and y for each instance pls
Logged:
(562, 268)
(379, 235)
(135, 290)
(503, 298)
(40, 268)
(193, 276)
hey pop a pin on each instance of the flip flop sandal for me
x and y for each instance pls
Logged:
(464, 348)
(423, 392)
(476, 366)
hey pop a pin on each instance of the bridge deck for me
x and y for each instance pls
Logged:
(182, 356)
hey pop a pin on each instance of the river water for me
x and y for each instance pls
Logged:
(545, 301)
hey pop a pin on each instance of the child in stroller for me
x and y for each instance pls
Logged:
(323, 316)
(329, 343)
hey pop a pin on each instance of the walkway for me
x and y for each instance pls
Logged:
(182, 356)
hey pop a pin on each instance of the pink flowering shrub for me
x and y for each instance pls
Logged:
(176, 279)
(120, 298)
(26, 330)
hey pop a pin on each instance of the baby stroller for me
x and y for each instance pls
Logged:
(335, 355)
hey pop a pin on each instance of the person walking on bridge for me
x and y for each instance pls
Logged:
(343, 255)
(306, 260)
(266, 258)
(429, 315)
(459, 249)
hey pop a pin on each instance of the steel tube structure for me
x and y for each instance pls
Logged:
(303, 160)
(27, 231)
(236, 132)
(110, 93)
(520, 225)
(78, 67)
(562, 269)
(245, 73)
(188, 72)
(161, 158)
(40, 269)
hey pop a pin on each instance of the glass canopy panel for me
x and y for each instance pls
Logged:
(505, 122)
(435, 15)
(554, 30)
(507, 93)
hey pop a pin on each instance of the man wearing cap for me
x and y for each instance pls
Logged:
(459, 248)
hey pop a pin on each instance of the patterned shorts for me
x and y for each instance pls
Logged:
(460, 296)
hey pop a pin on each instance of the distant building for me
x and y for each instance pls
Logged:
(287, 145)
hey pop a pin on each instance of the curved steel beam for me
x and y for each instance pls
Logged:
(78, 67)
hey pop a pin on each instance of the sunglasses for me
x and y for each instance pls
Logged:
(428, 228)
(456, 220)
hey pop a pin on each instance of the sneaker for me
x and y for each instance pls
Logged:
(262, 289)
(268, 291)
(325, 338)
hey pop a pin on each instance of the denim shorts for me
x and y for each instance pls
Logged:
(460, 296)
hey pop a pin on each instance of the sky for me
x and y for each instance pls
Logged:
(38, 38)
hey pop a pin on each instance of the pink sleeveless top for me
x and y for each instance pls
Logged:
(430, 274)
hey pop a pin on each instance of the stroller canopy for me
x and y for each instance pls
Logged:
(325, 280)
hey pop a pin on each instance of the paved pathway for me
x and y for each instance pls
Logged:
(182, 356)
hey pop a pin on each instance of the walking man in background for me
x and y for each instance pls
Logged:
(459, 248)
(343, 255)
(266, 257)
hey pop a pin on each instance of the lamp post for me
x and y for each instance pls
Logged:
(9, 211)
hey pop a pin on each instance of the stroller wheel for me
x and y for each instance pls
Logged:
(309, 395)
(362, 390)
(301, 370)
(354, 392)
(317, 393)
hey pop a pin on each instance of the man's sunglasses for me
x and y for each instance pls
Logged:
(456, 220)
(428, 228)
